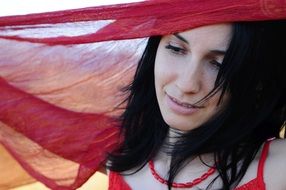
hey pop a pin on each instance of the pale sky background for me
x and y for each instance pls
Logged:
(20, 7)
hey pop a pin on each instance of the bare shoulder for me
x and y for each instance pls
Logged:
(275, 165)
(277, 149)
(276, 158)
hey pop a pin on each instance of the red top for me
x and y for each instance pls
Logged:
(116, 181)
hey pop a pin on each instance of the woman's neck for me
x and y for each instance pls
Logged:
(172, 137)
(164, 155)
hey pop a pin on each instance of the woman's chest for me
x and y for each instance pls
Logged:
(144, 179)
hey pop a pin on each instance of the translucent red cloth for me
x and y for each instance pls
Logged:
(61, 75)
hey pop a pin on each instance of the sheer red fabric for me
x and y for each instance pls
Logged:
(61, 75)
(143, 19)
(57, 106)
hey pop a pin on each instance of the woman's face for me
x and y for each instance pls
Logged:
(186, 68)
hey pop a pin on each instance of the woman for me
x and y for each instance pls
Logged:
(216, 98)
(201, 108)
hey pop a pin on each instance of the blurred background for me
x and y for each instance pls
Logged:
(20, 7)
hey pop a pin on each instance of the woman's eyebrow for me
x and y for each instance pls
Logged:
(181, 38)
(218, 52)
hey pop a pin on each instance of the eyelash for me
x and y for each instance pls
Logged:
(182, 51)
(216, 63)
(176, 50)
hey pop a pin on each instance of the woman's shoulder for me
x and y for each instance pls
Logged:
(275, 165)
(277, 151)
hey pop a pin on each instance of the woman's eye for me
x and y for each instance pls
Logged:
(216, 63)
(176, 49)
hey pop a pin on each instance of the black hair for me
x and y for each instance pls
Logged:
(252, 73)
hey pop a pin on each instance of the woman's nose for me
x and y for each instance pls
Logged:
(189, 78)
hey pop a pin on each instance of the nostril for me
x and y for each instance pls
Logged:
(188, 84)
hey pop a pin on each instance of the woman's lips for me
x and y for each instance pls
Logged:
(181, 107)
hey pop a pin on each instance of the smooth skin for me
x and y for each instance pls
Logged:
(186, 68)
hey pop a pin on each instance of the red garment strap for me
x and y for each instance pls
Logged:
(261, 163)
